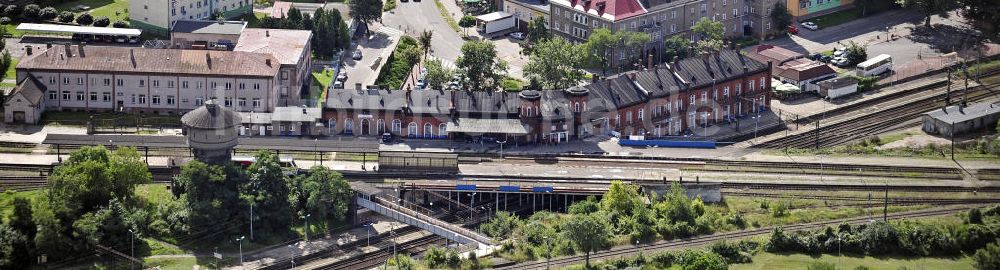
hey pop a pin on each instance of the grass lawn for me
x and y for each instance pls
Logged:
(10, 72)
(767, 261)
(7, 200)
(12, 30)
(154, 193)
(447, 16)
(107, 8)
(172, 263)
(835, 18)
(323, 78)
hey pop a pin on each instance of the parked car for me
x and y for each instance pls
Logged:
(387, 137)
(792, 29)
(342, 76)
(840, 61)
(356, 55)
(133, 40)
(338, 85)
(810, 26)
(421, 82)
(517, 35)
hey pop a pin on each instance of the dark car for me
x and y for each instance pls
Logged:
(387, 138)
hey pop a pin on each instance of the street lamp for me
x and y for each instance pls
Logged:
(132, 249)
(501, 147)
(240, 240)
(293, 254)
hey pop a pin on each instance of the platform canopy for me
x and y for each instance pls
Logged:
(349, 145)
(73, 29)
(495, 126)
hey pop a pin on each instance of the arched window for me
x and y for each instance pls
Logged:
(628, 117)
(332, 125)
(412, 129)
(397, 126)
(380, 126)
(428, 130)
(443, 130)
(349, 126)
(576, 107)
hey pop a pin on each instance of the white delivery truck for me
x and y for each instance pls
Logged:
(495, 23)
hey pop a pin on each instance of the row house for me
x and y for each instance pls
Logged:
(676, 98)
(93, 79)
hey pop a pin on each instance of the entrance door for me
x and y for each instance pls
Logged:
(365, 127)
(19, 116)
(263, 131)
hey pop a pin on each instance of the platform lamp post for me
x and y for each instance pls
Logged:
(240, 241)
(501, 147)
(293, 254)
(132, 249)
(306, 228)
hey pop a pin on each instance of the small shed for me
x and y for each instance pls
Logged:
(957, 120)
(205, 34)
(24, 104)
(296, 121)
(837, 87)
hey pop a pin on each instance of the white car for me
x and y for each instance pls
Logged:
(517, 35)
(338, 85)
(342, 76)
(839, 61)
(810, 26)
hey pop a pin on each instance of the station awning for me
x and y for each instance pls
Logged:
(497, 126)
(74, 29)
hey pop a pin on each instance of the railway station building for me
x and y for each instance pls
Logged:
(671, 99)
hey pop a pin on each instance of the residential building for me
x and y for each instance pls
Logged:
(158, 81)
(158, 16)
(206, 34)
(804, 9)
(576, 19)
(293, 50)
(527, 10)
(24, 104)
(961, 119)
(669, 99)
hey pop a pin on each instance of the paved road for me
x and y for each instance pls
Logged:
(413, 17)
(375, 48)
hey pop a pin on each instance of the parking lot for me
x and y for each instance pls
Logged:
(375, 50)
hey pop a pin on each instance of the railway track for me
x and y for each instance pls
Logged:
(857, 127)
(877, 197)
(703, 240)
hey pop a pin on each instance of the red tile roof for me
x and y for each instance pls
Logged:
(619, 9)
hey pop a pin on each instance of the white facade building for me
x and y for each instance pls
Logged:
(159, 15)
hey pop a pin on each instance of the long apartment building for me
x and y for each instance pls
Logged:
(673, 98)
(157, 81)
(159, 15)
(577, 19)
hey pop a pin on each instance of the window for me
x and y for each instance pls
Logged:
(156, 99)
(106, 97)
(133, 99)
(156, 83)
(142, 99)
(213, 85)
(228, 102)
(65, 81)
(242, 102)
(725, 91)
(142, 83)
(107, 81)
(53, 95)
(256, 102)
(198, 101)
(396, 126)
(184, 85)
(243, 86)
(734, 12)
(628, 117)
(93, 96)
(412, 129)
(442, 129)
(428, 130)
(256, 86)
(284, 75)
(673, 28)
(738, 88)
(673, 14)
(692, 99)
(120, 82)
(761, 83)
(170, 84)
(641, 111)
(65, 95)
(229, 86)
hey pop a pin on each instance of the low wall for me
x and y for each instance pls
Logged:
(668, 143)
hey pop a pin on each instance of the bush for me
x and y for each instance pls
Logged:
(4, 20)
(732, 252)
(975, 216)
(85, 19)
(866, 83)
(706, 261)
(11, 11)
(48, 13)
(66, 17)
(102, 21)
(817, 265)
(31, 12)
(120, 24)
(585, 207)
(987, 258)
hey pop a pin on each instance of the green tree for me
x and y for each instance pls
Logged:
(31, 12)
(465, 22)
(675, 47)
(600, 44)
(709, 35)
(425, 41)
(479, 61)
(12, 11)
(556, 63)
(268, 192)
(212, 195)
(634, 42)
(929, 8)
(66, 17)
(85, 19)
(48, 13)
(102, 21)
(856, 53)
(983, 15)
(621, 198)
(588, 233)
(294, 19)
(92, 176)
(707, 261)
(106, 227)
(501, 226)
(537, 31)
(21, 218)
(780, 16)
(14, 249)
(366, 11)
(987, 258)
(324, 195)
(437, 74)
(590, 205)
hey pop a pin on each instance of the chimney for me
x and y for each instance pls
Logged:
(27, 49)
(267, 61)
(304, 111)
(208, 60)
(650, 61)
(131, 53)
(48, 45)
(631, 76)
(69, 53)
(81, 50)
(267, 33)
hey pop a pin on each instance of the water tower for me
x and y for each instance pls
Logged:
(211, 132)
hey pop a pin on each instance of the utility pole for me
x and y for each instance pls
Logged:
(885, 205)
(251, 221)
(306, 229)
(240, 240)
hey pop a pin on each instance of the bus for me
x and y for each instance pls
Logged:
(288, 166)
(875, 66)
